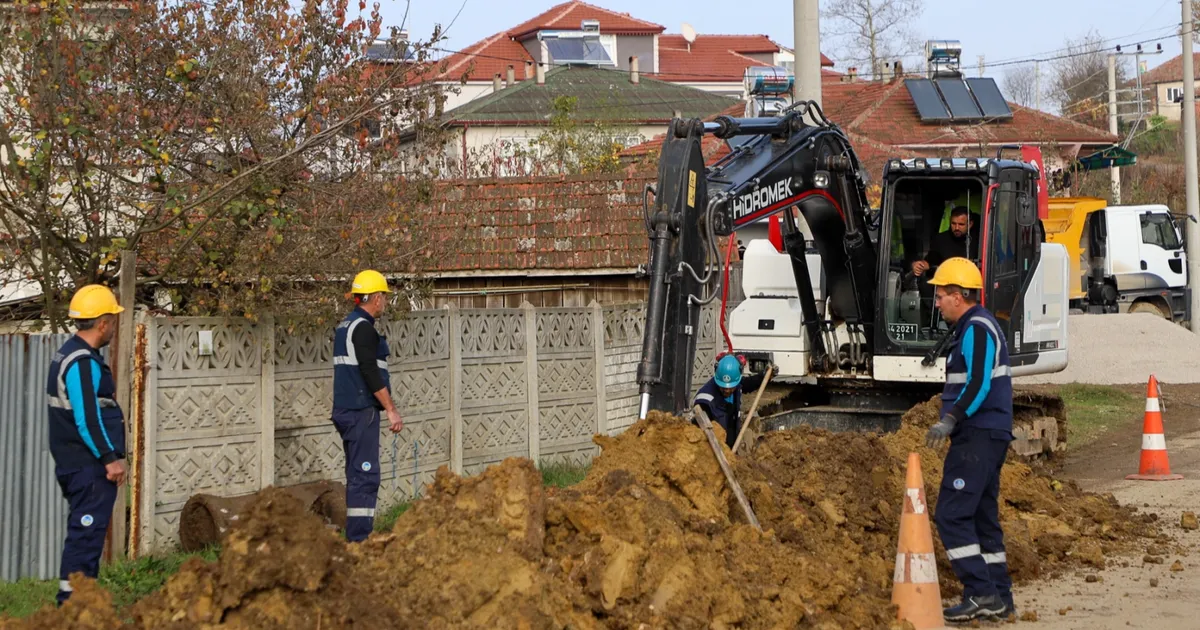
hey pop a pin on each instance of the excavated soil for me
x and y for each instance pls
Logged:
(652, 538)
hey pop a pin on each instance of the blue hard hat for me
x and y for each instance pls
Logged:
(729, 371)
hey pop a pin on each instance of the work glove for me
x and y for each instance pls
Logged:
(939, 432)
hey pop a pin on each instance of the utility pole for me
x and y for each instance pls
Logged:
(981, 66)
(807, 28)
(1037, 85)
(1114, 172)
(1189, 162)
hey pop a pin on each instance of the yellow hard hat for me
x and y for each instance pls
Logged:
(958, 271)
(369, 281)
(93, 301)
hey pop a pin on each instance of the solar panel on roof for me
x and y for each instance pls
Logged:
(958, 99)
(991, 101)
(575, 50)
(925, 97)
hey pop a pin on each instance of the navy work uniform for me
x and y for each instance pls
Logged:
(359, 370)
(87, 432)
(726, 410)
(978, 395)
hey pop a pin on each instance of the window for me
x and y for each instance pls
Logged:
(1174, 95)
(1004, 233)
(1159, 229)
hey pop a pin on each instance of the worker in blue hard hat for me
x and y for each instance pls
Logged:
(721, 396)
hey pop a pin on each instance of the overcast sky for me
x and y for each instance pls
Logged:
(1016, 29)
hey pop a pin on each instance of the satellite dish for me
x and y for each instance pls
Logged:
(689, 33)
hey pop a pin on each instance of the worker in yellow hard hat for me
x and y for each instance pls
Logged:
(977, 417)
(87, 432)
(361, 389)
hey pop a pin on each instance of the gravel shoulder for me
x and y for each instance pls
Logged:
(1123, 349)
(1123, 595)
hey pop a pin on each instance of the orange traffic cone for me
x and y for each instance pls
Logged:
(915, 583)
(1154, 465)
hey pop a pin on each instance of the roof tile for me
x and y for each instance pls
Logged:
(569, 15)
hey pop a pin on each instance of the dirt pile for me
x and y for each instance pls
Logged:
(850, 483)
(652, 538)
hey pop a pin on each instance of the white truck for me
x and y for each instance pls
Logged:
(1126, 258)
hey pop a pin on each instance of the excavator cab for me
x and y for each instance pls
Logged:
(1023, 279)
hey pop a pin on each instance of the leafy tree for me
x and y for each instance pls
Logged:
(228, 142)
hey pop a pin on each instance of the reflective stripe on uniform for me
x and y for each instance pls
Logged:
(360, 512)
(958, 553)
(960, 378)
(65, 586)
(704, 397)
(62, 401)
(382, 364)
(350, 358)
(995, 558)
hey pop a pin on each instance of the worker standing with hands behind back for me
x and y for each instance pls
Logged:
(361, 389)
(977, 417)
(87, 432)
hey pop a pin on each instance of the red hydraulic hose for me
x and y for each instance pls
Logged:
(725, 294)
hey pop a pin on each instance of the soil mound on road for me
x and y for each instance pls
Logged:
(651, 538)
(850, 485)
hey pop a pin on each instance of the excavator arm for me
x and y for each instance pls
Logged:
(797, 159)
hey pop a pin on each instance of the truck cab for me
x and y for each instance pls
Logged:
(1124, 258)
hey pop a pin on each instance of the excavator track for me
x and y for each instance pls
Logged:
(1039, 419)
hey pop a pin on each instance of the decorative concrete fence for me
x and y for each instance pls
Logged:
(228, 407)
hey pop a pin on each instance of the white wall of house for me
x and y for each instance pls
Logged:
(1165, 95)
(501, 146)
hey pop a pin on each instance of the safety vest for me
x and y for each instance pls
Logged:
(349, 388)
(74, 442)
(991, 407)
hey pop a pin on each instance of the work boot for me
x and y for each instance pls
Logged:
(1010, 609)
(975, 607)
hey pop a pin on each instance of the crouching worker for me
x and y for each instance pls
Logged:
(721, 396)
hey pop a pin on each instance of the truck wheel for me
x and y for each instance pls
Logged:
(1152, 308)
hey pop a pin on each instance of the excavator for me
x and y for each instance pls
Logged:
(831, 297)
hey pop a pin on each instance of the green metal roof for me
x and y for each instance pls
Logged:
(603, 95)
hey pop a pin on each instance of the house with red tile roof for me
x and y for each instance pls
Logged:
(1163, 85)
(713, 63)
(581, 238)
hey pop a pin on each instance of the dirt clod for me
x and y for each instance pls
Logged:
(1188, 521)
(1153, 582)
(1029, 615)
(1177, 566)
(651, 538)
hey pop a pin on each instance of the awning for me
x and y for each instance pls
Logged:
(1110, 157)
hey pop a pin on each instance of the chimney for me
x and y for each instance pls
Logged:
(510, 77)
(852, 74)
(541, 74)
(898, 70)
(528, 69)
(496, 83)
(633, 70)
